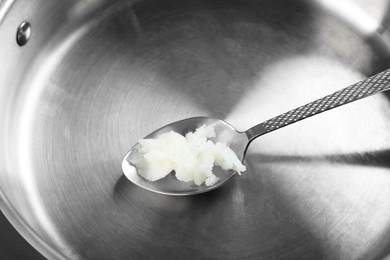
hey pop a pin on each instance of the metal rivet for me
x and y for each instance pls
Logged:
(23, 33)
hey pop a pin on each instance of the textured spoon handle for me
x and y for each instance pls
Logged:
(375, 84)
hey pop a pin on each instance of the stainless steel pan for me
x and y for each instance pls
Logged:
(86, 79)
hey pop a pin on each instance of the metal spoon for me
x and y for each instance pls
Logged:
(239, 141)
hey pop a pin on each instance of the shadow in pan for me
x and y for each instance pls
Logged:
(202, 47)
(370, 158)
(238, 220)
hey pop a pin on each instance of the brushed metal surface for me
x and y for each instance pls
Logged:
(96, 76)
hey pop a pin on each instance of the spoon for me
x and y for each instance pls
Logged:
(239, 141)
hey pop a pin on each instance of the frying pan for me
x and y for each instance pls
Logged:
(82, 81)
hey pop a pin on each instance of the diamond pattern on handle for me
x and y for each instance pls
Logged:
(377, 83)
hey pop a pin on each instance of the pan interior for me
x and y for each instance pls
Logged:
(316, 189)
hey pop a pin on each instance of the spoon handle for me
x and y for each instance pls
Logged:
(372, 85)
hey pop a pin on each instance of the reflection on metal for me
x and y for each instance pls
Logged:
(23, 33)
(40, 74)
(352, 14)
(5, 5)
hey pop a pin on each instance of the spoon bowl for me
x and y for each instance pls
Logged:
(225, 133)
